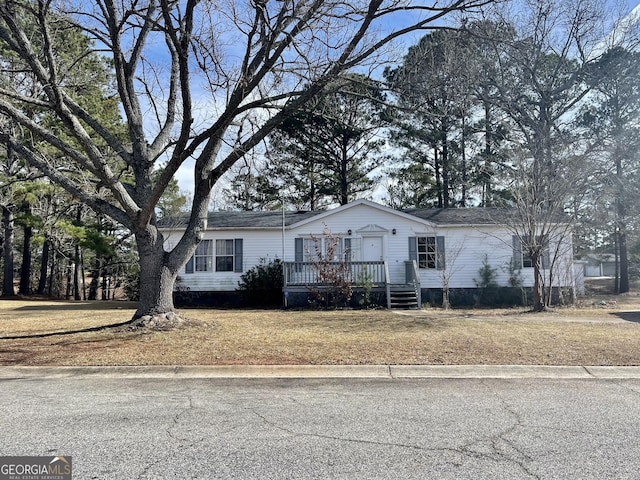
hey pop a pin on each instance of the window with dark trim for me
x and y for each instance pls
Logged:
(353, 249)
(308, 249)
(522, 258)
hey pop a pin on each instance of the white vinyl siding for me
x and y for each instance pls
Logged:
(466, 247)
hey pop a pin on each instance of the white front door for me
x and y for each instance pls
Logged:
(372, 249)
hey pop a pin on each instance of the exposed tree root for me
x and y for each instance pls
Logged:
(160, 321)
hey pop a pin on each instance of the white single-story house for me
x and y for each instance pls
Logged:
(397, 251)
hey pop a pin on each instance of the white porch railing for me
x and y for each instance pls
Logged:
(306, 276)
(308, 273)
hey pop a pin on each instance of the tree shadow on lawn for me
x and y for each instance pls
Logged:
(65, 306)
(15, 356)
(67, 332)
(627, 316)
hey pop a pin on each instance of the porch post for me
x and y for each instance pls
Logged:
(387, 284)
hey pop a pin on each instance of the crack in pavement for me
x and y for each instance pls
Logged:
(501, 448)
(182, 443)
(496, 455)
(176, 421)
(295, 433)
(625, 385)
(522, 459)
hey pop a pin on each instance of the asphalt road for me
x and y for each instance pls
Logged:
(153, 428)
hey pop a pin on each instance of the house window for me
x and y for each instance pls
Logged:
(521, 256)
(308, 249)
(203, 257)
(228, 256)
(427, 251)
(224, 255)
(352, 249)
(202, 260)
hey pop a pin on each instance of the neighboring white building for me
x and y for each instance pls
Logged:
(447, 245)
(600, 265)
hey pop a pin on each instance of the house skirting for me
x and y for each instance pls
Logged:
(498, 297)
(297, 297)
(300, 298)
(187, 299)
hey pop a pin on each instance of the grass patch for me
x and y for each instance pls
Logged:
(591, 335)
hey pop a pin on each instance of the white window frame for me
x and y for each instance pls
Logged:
(203, 257)
(354, 252)
(309, 248)
(427, 252)
(225, 255)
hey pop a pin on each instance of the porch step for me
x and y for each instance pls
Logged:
(403, 297)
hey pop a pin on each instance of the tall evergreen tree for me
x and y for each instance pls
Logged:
(329, 150)
(87, 78)
(251, 190)
(432, 87)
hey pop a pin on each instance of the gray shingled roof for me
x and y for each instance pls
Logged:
(461, 216)
(226, 219)
(273, 219)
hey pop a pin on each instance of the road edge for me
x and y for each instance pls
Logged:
(325, 371)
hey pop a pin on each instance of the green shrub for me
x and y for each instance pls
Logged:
(487, 284)
(515, 281)
(261, 286)
(365, 282)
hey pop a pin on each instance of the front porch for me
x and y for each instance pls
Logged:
(374, 276)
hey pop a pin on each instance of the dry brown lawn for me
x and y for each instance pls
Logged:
(600, 332)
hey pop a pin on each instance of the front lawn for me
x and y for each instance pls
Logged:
(50, 333)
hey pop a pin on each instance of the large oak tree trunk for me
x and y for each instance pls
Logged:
(157, 279)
